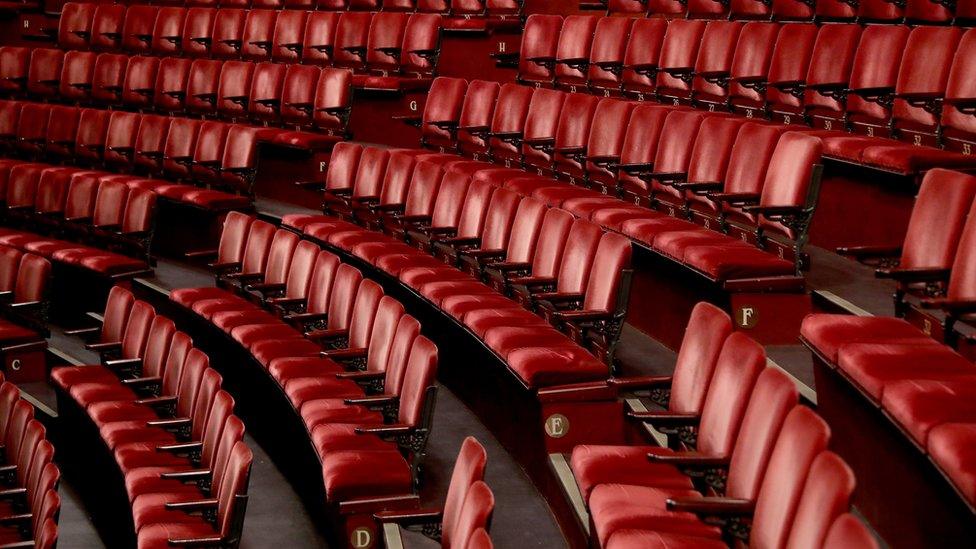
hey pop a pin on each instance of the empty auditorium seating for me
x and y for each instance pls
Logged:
(392, 51)
(161, 413)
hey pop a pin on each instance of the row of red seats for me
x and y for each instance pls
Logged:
(78, 219)
(394, 51)
(684, 177)
(298, 98)
(205, 164)
(350, 360)
(24, 303)
(923, 387)
(30, 480)
(744, 450)
(828, 78)
(462, 15)
(162, 414)
(932, 268)
(881, 11)
(546, 293)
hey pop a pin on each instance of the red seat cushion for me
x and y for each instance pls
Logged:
(121, 432)
(555, 196)
(134, 455)
(872, 366)
(147, 480)
(109, 263)
(306, 140)
(620, 506)
(845, 146)
(459, 305)
(649, 539)
(646, 230)
(828, 333)
(613, 217)
(266, 351)
(505, 339)
(251, 334)
(480, 321)
(119, 410)
(322, 230)
(228, 320)
(335, 410)
(676, 243)
(396, 264)
(953, 448)
(556, 365)
(728, 262)
(188, 296)
(66, 376)
(350, 475)
(909, 159)
(209, 199)
(300, 221)
(283, 369)
(587, 206)
(303, 389)
(603, 464)
(920, 405)
(148, 509)
(89, 393)
(157, 536)
(47, 246)
(340, 437)
(436, 292)
(12, 333)
(417, 277)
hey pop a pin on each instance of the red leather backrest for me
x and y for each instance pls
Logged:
(259, 238)
(179, 349)
(320, 286)
(300, 270)
(643, 50)
(396, 364)
(137, 329)
(240, 147)
(927, 11)
(499, 218)
(581, 246)
(81, 195)
(679, 51)
(167, 34)
(221, 412)
(233, 237)
(110, 203)
(76, 72)
(468, 469)
(22, 186)
(137, 28)
(161, 333)
(833, 55)
(279, 258)
(123, 127)
(320, 32)
(643, 135)
(472, 217)
(266, 84)
(382, 333)
(234, 482)
(941, 208)
(791, 59)
(961, 86)
(602, 288)
(92, 129)
(680, 130)
(140, 206)
(609, 46)
(525, 230)
(878, 42)
(924, 69)
(736, 371)
(74, 25)
(228, 28)
(552, 240)
(9, 265)
(718, 45)
(198, 30)
(573, 130)
(288, 34)
(107, 26)
(510, 113)
(803, 436)
(116, 315)
(420, 374)
(52, 191)
(9, 397)
(372, 167)
(150, 141)
(108, 76)
(607, 134)
(194, 368)
(203, 404)
(343, 298)
(475, 514)
(575, 40)
(540, 38)
(363, 314)
(235, 82)
(9, 115)
(713, 148)
(298, 92)
(351, 32)
(33, 122)
(543, 116)
(210, 141)
(171, 82)
(450, 199)
(789, 175)
(332, 91)
(20, 416)
(846, 532)
(753, 56)
(230, 435)
(792, 10)
(476, 112)
(706, 332)
(423, 187)
(443, 105)
(343, 166)
(385, 31)
(826, 495)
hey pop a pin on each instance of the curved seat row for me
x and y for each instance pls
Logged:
(867, 11)
(459, 15)
(294, 98)
(737, 192)
(352, 364)
(906, 116)
(742, 449)
(30, 503)
(388, 51)
(161, 414)
(546, 293)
